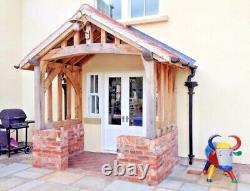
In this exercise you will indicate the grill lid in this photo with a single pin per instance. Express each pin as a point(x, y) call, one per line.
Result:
point(9, 114)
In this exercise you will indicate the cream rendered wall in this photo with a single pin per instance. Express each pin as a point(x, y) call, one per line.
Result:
point(215, 33)
point(10, 53)
point(103, 64)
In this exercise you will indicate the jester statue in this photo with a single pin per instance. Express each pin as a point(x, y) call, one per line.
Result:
point(219, 155)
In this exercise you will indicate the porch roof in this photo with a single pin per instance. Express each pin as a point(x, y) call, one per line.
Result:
point(146, 44)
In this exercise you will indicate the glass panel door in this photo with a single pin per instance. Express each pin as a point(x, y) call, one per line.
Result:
point(114, 101)
point(136, 101)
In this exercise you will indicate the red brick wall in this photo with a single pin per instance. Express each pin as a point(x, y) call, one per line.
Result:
point(160, 153)
point(52, 147)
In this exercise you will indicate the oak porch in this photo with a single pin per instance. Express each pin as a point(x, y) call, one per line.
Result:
point(66, 61)
point(61, 57)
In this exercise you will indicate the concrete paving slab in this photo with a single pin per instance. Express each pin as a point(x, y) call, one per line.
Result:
point(13, 168)
point(179, 168)
point(28, 185)
point(92, 183)
point(219, 180)
point(244, 178)
point(63, 177)
point(218, 189)
point(163, 189)
point(33, 173)
point(193, 187)
point(2, 165)
point(51, 186)
point(8, 183)
point(183, 176)
point(120, 185)
point(243, 187)
point(171, 184)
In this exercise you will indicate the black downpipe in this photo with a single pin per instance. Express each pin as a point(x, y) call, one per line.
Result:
point(191, 85)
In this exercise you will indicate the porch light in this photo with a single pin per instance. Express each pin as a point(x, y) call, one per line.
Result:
point(77, 21)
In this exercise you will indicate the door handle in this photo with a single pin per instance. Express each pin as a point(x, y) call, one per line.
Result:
point(123, 119)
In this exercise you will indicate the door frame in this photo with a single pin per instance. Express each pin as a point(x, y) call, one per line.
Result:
point(105, 94)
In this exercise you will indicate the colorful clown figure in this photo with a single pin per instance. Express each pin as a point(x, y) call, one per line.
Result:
point(220, 155)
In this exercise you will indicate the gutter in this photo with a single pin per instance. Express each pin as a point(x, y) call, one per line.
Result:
point(191, 85)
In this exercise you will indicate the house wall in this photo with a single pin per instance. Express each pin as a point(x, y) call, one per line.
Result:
point(215, 33)
point(10, 38)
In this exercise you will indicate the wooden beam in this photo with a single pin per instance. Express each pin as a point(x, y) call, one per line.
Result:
point(150, 100)
point(59, 100)
point(55, 65)
point(162, 95)
point(72, 79)
point(39, 96)
point(77, 97)
point(76, 60)
point(77, 38)
point(96, 48)
point(166, 97)
point(64, 44)
point(50, 104)
point(68, 115)
point(80, 94)
point(87, 58)
point(103, 36)
point(89, 34)
point(172, 95)
point(117, 41)
point(51, 77)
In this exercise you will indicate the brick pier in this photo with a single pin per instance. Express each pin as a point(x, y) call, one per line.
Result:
point(52, 147)
point(160, 153)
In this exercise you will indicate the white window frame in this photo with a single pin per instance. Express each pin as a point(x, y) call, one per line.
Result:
point(89, 94)
point(126, 11)
point(144, 11)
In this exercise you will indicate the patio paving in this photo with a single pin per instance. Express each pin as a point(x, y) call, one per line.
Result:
point(17, 174)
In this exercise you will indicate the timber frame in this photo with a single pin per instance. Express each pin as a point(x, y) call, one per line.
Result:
point(62, 54)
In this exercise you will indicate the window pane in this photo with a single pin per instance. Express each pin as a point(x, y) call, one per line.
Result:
point(93, 104)
point(137, 8)
point(152, 7)
point(104, 6)
point(97, 104)
point(96, 84)
point(116, 9)
point(115, 101)
point(91, 84)
point(135, 101)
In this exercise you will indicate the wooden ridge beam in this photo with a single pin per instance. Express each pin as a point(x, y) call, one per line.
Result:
point(96, 48)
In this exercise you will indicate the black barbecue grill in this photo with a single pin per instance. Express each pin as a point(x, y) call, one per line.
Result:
point(14, 119)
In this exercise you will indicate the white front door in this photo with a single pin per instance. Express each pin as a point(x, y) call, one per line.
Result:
point(124, 107)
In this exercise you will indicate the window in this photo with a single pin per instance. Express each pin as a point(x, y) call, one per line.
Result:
point(140, 8)
point(110, 7)
point(125, 9)
point(93, 95)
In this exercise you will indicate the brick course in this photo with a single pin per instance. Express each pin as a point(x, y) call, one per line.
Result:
point(160, 153)
point(52, 147)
